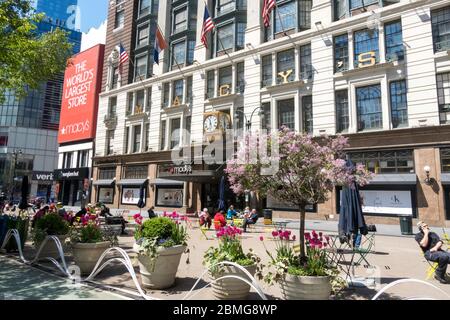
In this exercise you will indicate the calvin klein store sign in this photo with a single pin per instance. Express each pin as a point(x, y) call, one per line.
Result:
point(72, 174)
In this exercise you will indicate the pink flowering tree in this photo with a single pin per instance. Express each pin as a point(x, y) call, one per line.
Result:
point(294, 168)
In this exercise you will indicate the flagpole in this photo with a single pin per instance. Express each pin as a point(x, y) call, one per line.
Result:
point(281, 21)
point(140, 76)
point(170, 51)
point(217, 34)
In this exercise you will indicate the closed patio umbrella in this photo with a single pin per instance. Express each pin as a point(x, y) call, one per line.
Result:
point(141, 202)
point(24, 194)
point(351, 218)
point(222, 193)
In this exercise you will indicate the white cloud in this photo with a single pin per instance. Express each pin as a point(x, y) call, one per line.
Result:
point(93, 37)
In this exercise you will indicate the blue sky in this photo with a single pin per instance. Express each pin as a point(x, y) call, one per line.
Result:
point(93, 13)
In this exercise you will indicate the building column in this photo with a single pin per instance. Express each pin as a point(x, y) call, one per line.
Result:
point(185, 195)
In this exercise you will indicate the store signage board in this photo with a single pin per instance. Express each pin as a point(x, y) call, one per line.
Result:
point(82, 84)
point(42, 176)
point(176, 170)
point(390, 202)
point(71, 174)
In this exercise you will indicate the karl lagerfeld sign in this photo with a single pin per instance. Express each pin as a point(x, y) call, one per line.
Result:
point(42, 176)
point(72, 174)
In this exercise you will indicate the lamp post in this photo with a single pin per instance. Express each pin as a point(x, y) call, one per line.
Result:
point(15, 155)
point(248, 127)
point(248, 121)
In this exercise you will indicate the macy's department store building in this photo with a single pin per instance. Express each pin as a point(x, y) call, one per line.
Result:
point(385, 85)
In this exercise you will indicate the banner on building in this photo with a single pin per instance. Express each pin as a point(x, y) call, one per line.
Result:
point(82, 85)
point(392, 202)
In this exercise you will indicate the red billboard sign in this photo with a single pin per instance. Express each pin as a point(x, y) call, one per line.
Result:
point(82, 85)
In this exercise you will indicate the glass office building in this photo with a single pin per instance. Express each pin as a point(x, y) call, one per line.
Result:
point(29, 126)
point(60, 12)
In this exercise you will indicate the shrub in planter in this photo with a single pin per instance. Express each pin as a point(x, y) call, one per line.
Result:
point(51, 224)
point(311, 279)
point(230, 249)
point(160, 242)
point(19, 222)
point(89, 242)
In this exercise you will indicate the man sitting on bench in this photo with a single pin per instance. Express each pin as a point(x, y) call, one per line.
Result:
point(431, 245)
point(252, 220)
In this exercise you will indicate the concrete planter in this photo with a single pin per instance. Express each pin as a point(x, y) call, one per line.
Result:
point(86, 255)
point(231, 288)
point(161, 272)
point(306, 288)
point(50, 250)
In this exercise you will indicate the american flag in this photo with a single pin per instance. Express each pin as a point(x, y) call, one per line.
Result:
point(208, 25)
point(268, 7)
point(123, 54)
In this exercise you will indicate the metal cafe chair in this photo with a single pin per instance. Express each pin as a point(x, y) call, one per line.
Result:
point(336, 253)
point(365, 248)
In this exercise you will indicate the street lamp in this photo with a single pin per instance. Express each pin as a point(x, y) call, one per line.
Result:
point(15, 155)
point(248, 122)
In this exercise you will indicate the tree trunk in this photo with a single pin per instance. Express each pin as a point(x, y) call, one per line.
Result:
point(302, 232)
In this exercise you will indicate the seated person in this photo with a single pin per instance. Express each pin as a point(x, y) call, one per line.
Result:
point(231, 213)
point(431, 245)
point(219, 220)
point(247, 213)
point(39, 214)
point(103, 211)
point(251, 220)
point(151, 212)
point(60, 208)
point(205, 218)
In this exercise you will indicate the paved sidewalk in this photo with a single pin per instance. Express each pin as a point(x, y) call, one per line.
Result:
point(332, 226)
point(21, 282)
point(395, 257)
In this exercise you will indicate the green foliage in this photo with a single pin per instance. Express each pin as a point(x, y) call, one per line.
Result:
point(159, 232)
point(49, 225)
point(159, 228)
point(27, 58)
point(229, 249)
point(315, 264)
point(89, 233)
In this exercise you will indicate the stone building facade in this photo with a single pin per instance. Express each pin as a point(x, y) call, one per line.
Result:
point(377, 72)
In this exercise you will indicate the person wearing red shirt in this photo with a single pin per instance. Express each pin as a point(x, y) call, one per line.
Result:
point(219, 220)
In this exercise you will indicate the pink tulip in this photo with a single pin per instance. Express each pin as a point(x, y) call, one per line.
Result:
point(261, 238)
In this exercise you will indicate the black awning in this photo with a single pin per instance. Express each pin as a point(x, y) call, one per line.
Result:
point(166, 182)
point(398, 179)
point(445, 178)
point(132, 182)
point(199, 176)
point(107, 182)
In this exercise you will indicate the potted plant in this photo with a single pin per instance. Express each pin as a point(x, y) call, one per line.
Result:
point(50, 224)
point(89, 242)
point(160, 242)
point(19, 222)
point(230, 250)
point(311, 279)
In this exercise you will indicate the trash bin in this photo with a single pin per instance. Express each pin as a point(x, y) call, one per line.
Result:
point(406, 226)
point(267, 216)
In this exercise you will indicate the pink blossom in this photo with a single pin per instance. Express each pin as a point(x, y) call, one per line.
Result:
point(261, 238)
point(274, 233)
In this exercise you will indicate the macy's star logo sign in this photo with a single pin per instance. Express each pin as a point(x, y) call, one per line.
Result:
point(63, 131)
